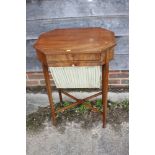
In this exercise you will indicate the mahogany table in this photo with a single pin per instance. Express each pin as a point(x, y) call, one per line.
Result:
point(76, 47)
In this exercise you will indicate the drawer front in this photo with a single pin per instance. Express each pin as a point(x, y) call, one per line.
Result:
point(73, 57)
point(62, 57)
point(94, 56)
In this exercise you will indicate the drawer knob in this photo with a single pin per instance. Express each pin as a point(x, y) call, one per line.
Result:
point(73, 65)
point(68, 50)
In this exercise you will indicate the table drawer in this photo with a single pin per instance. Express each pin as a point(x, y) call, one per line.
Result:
point(92, 56)
point(56, 57)
point(72, 57)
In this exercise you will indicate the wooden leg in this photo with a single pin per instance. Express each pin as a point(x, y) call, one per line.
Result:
point(49, 92)
point(105, 72)
point(60, 96)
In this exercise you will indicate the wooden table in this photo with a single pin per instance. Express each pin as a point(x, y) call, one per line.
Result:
point(76, 47)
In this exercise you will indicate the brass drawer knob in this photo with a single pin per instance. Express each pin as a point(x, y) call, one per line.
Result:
point(68, 50)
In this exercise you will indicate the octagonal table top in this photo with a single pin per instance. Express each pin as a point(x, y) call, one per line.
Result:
point(75, 40)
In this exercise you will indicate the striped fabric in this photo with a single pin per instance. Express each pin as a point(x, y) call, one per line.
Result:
point(76, 77)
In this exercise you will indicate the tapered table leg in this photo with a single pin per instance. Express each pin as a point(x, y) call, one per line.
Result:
point(49, 91)
point(105, 72)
